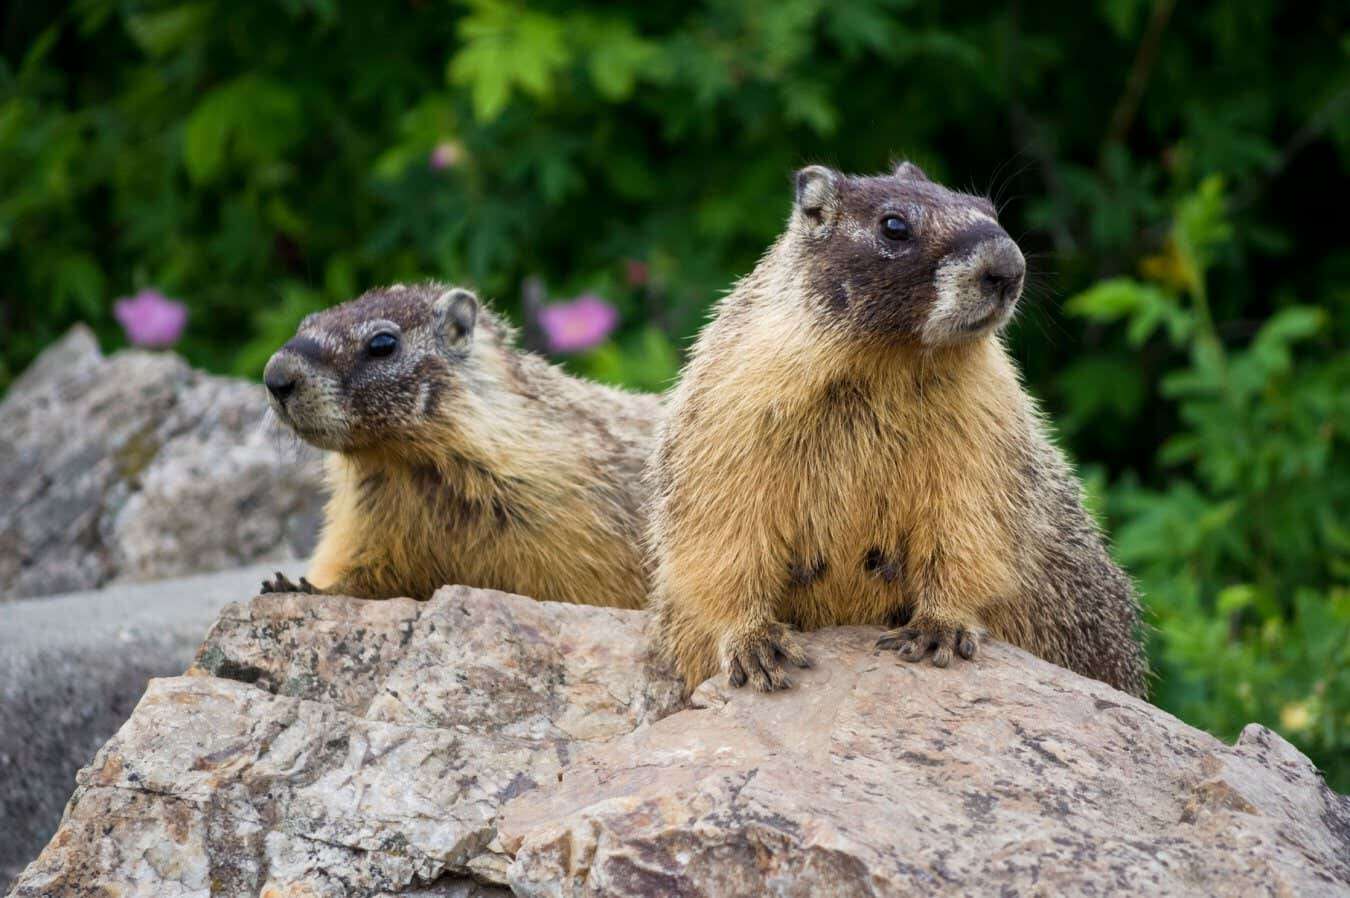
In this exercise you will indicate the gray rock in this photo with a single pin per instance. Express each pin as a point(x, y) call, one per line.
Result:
point(71, 670)
point(137, 467)
point(482, 742)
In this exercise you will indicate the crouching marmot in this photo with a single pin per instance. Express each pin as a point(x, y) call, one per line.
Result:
point(457, 458)
point(850, 444)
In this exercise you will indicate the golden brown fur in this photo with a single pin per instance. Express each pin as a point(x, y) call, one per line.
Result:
point(814, 473)
point(517, 477)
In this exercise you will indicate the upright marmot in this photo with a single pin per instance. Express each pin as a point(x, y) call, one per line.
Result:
point(457, 458)
point(850, 444)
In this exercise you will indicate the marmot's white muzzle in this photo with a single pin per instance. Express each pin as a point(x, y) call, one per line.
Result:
point(977, 290)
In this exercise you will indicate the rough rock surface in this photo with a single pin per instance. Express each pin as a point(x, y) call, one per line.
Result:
point(135, 466)
point(486, 745)
point(72, 668)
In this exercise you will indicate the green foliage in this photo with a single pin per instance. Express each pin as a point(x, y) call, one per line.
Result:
point(645, 361)
point(1240, 551)
point(1179, 177)
point(250, 121)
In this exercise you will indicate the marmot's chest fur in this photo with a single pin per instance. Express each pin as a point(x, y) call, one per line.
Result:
point(875, 472)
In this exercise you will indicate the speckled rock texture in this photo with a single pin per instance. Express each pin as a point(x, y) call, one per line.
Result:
point(488, 745)
point(72, 668)
point(135, 467)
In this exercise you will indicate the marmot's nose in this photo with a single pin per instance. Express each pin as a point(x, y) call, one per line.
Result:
point(279, 377)
point(1003, 270)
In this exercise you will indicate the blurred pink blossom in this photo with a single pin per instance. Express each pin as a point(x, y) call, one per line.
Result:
point(447, 154)
point(637, 272)
point(580, 324)
point(151, 319)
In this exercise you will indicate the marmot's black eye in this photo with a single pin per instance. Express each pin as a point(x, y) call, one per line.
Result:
point(893, 227)
point(382, 344)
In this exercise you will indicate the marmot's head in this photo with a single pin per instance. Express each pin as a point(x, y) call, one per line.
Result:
point(901, 257)
point(376, 369)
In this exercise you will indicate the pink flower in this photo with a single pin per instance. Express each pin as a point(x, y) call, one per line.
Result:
point(447, 154)
point(637, 272)
point(580, 324)
point(151, 319)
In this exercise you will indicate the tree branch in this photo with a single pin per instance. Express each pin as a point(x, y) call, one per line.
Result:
point(1122, 117)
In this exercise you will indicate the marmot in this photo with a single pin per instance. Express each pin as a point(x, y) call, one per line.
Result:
point(849, 443)
point(457, 458)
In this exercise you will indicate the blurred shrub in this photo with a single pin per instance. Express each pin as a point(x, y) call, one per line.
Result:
point(1242, 550)
point(1178, 168)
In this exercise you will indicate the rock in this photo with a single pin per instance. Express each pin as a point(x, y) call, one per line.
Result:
point(72, 668)
point(873, 777)
point(327, 747)
point(136, 467)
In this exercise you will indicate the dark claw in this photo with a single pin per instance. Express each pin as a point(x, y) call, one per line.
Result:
point(913, 642)
point(758, 660)
point(736, 673)
point(968, 645)
point(282, 583)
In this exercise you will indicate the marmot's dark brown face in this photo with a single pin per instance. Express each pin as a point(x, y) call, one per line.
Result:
point(899, 256)
point(374, 369)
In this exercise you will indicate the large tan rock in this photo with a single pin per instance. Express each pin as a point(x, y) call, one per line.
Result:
point(329, 746)
point(873, 777)
point(485, 745)
point(135, 467)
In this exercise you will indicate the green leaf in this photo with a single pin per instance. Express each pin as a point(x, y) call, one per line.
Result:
point(421, 128)
point(165, 31)
point(78, 283)
point(865, 26)
point(39, 51)
point(1144, 306)
point(1123, 15)
point(618, 58)
point(253, 117)
point(1235, 598)
point(1201, 227)
point(204, 139)
point(1114, 299)
point(1289, 326)
point(505, 48)
point(809, 104)
point(1101, 386)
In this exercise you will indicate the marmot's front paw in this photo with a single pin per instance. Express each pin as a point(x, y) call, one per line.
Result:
point(282, 583)
point(914, 641)
point(758, 656)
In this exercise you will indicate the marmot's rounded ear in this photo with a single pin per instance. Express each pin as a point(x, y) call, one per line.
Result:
point(817, 192)
point(908, 171)
point(456, 312)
